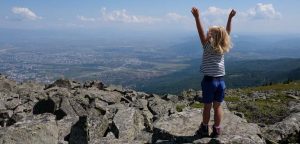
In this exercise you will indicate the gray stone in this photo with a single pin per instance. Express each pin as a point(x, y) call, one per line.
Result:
point(129, 123)
point(2, 106)
point(34, 130)
point(241, 115)
point(97, 127)
point(205, 141)
point(64, 83)
point(180, 126)
point(64, 128)
point(94, 84)
point(238, 130)
point(172, 98)
point(79, 110)
point(101, 105)
point(160, 107)
point(12, 101)
point(118, 88)
point(280, 131)
point(109, 97)
point(144, 136)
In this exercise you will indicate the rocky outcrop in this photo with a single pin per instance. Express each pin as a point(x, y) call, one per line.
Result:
point(69, 112)
point(287, 129)
point(32, 130)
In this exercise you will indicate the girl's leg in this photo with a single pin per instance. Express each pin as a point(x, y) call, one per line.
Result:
point(218, 113)
point(206, 113)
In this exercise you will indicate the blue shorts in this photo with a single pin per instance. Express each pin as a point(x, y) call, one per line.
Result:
point(213, 89)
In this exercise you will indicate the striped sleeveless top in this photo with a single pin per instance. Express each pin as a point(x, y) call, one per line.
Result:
point(212, 62)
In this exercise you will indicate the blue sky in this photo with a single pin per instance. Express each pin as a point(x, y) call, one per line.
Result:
point(269, 16)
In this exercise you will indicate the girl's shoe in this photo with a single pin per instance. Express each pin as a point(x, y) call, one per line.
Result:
point(216, 132)
point(203, 131)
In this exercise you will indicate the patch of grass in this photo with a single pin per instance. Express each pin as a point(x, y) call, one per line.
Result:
point(232, 98)
point(263, 111)
point(180, 107)
point(276, 87)
point(197, 105)
point(267, 111)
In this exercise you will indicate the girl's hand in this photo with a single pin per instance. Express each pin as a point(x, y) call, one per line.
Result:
point(195, 12)
point(232, 13)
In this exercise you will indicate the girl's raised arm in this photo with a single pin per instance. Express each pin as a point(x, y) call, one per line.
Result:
point(200, 29)
point(228, 26)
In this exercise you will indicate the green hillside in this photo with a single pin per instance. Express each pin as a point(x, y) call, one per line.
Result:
point(239, 74)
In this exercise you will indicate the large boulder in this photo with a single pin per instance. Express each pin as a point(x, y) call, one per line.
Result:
point(238, 130)
point(129, 123)
point(179, 127)
point(285, 130)
point(64, 128)
point(34, 130)
point(159, 107)
point(97, 127)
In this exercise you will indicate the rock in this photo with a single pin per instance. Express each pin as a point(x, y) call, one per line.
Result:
point(179, 127)
point(143, 95)
point(148, 120)
point(238, 130)
point(12, 101)
point(241, 115)
point(191, 95)
point(109, 97)
point(16, 117)
point(172, 98)
point(145, 137)
point(117, 88)
point(2, 106)
point(31, 92)
point(293, 97)
point(64, 83)
point(79, 110)
point(65, 108)
point(111, 110)
point(101, 105)
point(129, 123)
point(97, 126)
point(94, 84)
point(205, 141)
point(64, 128)
point(4, 117)
point(7, 85)
point(281, 131)
point(160, 107)
point(33, 130)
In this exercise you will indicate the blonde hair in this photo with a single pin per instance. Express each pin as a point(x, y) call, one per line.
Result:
point(220, 39)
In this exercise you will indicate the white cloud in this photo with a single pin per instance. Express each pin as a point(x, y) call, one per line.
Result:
point(86, 19)
point(215, 16)
point(218, 16)
point(25, 13)
point(175, 17)
point(263, 11)
point(124, 17)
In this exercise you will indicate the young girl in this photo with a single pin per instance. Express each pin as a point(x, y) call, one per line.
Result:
point(215, 44)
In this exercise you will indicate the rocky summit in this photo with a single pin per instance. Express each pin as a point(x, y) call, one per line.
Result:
point(70, 112)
